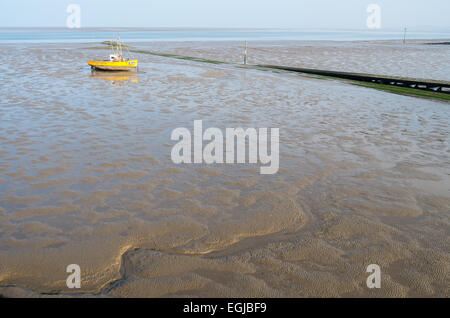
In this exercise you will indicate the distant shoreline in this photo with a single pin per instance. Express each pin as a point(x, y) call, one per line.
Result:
point(432, 42)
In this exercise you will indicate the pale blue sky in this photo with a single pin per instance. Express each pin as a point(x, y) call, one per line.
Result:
point(337, 14)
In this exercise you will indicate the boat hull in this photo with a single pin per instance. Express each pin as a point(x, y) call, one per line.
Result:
point(114, 66)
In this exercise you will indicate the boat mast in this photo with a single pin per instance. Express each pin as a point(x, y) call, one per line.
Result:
point(119, 45)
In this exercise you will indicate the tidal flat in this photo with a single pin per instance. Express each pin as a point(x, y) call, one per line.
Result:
point(86, 176)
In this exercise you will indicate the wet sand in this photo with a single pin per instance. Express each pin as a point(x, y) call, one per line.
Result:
point(86, 176)
point(416, 59)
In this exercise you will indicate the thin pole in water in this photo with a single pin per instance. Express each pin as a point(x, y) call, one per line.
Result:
point(404, 37)
point(245, 53)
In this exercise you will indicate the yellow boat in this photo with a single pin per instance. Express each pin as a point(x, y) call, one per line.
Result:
point(116, 60)
point(113, 65)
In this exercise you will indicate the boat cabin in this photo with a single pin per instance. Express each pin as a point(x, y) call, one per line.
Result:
point(115, 58)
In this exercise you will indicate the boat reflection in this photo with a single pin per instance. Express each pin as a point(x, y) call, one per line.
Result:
point(116, 78)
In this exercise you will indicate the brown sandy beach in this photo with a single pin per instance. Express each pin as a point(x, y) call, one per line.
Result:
point(86, 176)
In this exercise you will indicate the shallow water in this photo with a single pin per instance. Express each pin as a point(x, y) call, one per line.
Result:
point(65, 35)
point(86, 178)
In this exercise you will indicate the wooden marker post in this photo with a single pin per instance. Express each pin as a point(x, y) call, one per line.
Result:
point(245, 53)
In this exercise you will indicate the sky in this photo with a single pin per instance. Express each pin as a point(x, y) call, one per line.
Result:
point(313, 14)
